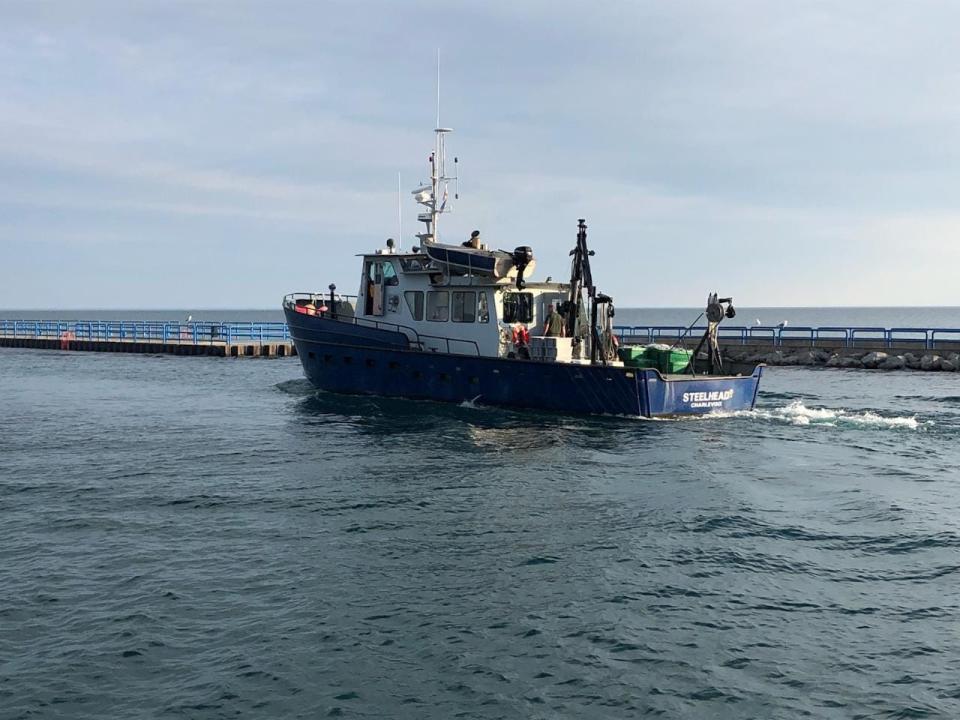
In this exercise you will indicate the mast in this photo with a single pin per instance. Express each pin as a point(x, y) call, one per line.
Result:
point(577, 306)
point(434, 196)
point(581, 279)
point(399, 213)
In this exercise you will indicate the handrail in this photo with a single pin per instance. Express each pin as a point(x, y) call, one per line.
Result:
point(290, 299)
point(808, 332)
point(476, 348)
point(831, 329)
point(183, 333)
point(848, 336)
point(207, 333)
point(935, 331)
point(377, 325)
point(871, 330)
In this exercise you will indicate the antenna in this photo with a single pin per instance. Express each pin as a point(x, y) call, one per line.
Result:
point(433, 196)
point(399, 214)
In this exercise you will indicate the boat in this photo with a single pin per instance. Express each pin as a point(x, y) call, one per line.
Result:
point(464, 322)
point(480, 261)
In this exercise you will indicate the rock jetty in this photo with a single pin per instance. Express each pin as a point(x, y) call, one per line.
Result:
point(848, 358)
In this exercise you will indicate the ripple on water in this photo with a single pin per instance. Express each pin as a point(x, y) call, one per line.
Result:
point(209, 539)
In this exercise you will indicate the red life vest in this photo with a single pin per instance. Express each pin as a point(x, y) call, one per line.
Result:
point(521, 336)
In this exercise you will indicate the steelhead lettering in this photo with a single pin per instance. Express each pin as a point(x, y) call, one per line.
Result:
point(712, 396)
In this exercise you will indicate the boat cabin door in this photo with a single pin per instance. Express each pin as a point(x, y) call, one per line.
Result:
point(378, 275)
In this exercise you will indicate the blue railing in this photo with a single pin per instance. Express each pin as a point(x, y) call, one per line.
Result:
point(776, 335)
point(205, 333)
point(195, 333)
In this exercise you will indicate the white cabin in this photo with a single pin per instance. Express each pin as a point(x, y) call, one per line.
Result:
point(463, 314)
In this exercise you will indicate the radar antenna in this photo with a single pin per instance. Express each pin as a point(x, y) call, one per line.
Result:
point(435, 196)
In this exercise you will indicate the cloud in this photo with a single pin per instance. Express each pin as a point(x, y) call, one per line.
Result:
point(767, 148)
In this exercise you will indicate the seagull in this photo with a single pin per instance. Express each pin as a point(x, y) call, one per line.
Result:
point(783, 324)
point(758, 321)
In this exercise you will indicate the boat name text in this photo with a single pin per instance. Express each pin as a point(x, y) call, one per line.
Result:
point(714, 398)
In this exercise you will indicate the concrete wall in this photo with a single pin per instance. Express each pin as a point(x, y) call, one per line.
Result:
point(279, 349)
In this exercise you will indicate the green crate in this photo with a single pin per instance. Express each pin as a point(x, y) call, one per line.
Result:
point(636, 357)
point(678, 362)
point(632, 353)
point(669, 360)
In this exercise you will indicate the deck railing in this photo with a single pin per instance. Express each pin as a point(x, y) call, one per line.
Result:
point(929, 338)
point(196, 333)
point(414, 337)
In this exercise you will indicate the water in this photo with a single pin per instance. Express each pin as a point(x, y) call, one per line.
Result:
point(922, 317)
point(206, 538)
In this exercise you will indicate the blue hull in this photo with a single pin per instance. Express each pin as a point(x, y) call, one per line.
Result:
point(346, 358)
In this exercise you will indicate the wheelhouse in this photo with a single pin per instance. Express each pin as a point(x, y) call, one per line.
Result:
point(413, 291)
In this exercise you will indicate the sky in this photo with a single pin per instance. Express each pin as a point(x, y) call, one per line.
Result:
point(220, 154)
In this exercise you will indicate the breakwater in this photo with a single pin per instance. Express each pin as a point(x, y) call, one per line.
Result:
point(871, 348)
point(929, 349)
point(847, 358)
point(217, 339)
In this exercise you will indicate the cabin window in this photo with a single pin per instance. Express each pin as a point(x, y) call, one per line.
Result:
point(414, 300)
point(389, 274)
point(438, 306)
point(464, 307)
point(483, 312)
point(518, 307)
point(414, 264)
point(382, 271)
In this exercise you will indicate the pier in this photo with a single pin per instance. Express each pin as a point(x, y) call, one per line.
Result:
point(826, 338)
point(843, 347)
point(776, 345)
point(216, 339)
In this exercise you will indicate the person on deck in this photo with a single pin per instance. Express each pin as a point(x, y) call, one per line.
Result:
point(521, 341)
point(553, 327)
point(474, 241)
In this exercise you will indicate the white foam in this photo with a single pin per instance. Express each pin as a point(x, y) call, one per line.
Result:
point(472, 404)
point(796, 413)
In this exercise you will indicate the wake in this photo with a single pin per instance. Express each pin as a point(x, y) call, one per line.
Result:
point(796, 413)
